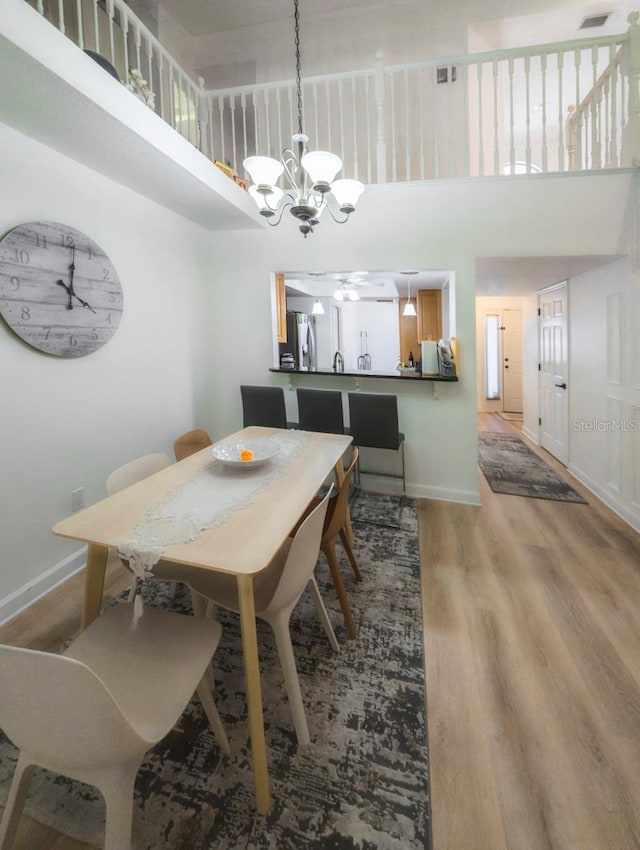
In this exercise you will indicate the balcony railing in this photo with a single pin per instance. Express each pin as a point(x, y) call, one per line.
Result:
point(568, 106)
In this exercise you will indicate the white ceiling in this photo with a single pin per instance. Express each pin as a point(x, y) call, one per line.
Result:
point(514, 276)
point(510, 23)
point(201, 17)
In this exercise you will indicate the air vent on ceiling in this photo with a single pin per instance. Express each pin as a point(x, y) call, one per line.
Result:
point(594, 21)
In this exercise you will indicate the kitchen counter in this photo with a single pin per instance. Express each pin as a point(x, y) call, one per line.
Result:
point(366, 373)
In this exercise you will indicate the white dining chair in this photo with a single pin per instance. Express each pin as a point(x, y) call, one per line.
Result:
point(93, 712)
point(130, 473)
point(277, 590)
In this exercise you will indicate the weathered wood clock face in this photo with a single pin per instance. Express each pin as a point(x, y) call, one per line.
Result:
point(59, 291)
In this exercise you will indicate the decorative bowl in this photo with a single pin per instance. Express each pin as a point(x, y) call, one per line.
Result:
point(230, 453)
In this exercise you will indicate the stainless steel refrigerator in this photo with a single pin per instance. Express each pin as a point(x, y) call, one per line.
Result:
point(301, 341)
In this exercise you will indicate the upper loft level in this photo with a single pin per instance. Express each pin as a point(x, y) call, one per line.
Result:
point(558, 107)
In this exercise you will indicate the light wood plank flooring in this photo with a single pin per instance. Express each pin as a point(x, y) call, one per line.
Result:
point(533, 672)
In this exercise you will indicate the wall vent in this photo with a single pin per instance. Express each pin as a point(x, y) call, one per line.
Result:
point(594, 21)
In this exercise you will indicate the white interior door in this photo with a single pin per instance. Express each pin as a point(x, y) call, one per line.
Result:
point(512, 360)
point(554, 406)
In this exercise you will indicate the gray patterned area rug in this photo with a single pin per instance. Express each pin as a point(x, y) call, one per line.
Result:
point(383, 509)
point(511, 467)
point(363, 782)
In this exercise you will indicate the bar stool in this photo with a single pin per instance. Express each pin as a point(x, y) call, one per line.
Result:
point(320, 410)
point(374, 425)
point(264, 406)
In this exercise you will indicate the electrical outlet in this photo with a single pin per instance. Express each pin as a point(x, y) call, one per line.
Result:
point(77, 499)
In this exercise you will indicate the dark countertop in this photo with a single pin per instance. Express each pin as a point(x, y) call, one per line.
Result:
point(366, 373)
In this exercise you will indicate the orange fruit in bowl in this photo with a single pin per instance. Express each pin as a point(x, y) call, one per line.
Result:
point(246, 454)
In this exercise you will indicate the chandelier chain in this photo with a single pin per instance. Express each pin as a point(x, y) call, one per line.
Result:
point(298, 64)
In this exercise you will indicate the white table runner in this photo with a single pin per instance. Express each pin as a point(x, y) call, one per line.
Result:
point(204, 501)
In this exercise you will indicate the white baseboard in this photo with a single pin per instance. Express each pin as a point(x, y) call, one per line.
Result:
point(626, 513)
point(18, 601)
point(393, 486)
point(530, 435)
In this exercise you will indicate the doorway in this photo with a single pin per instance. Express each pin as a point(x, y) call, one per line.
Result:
point(511, 360)
point(554, 367)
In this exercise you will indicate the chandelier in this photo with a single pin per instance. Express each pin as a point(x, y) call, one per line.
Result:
point(309, 175)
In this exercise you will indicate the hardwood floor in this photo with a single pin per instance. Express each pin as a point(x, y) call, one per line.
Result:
point(532, 656)
point(533, 672)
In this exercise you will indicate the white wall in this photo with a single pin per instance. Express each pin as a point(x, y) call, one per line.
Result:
point(67, 423)
point(604, 385)
point(418, 225)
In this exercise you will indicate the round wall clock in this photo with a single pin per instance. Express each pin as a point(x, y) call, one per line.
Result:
point(59, 291)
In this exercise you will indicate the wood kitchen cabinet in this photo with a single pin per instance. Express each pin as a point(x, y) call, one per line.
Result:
point(409, 342)
point(429, 314)
point(281, 308)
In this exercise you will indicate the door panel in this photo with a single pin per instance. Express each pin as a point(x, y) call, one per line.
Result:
point(512, 360)
point(553, 335)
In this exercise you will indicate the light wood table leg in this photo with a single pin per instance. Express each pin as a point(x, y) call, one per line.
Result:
point(254, 693)
point(93, 583)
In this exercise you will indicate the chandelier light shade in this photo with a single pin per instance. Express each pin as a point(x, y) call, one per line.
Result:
point(309, 176)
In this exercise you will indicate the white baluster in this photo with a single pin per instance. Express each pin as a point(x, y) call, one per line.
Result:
point(613, 142)
point(341, 114)
point(316, 128)
point(452, 140)
point(571, 137)
point(243, 105)
point(326, 94)
point(61, 26)
point(96, 28)
point(221, 116)
point(172, 100)
point(232, 99)
point(512, 147)
point(527, 75)
point(577, 60)
point(596, 153)
point(161, 86)
point(112, 49)
point(381, 150)
point(407, 148)
point(354, 113)
point(394, 164)
point(434, 123)
point(124, 25)
point(466, 167)
point(631, 147)
point(421, 132)
point(80, 24)
point(40, 7)
point(496, 126)
point(269, 152)
point(255, 122)
point(279, 115)
point(137, 41)
point(479, 68)
point(560, 113)
point(292, 127)
point(606, 114)
point(543, 72)
point(367, 100)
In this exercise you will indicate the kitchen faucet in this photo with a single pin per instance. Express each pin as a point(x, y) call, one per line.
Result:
point(338, 362)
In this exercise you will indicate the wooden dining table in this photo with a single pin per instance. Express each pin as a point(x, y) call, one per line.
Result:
point(242, 545)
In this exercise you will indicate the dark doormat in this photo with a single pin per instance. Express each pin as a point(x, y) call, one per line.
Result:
point(511, 467)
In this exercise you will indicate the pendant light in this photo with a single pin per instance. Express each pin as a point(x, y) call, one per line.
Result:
point(409, 309)
point(318, 309)
point(310, 175)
